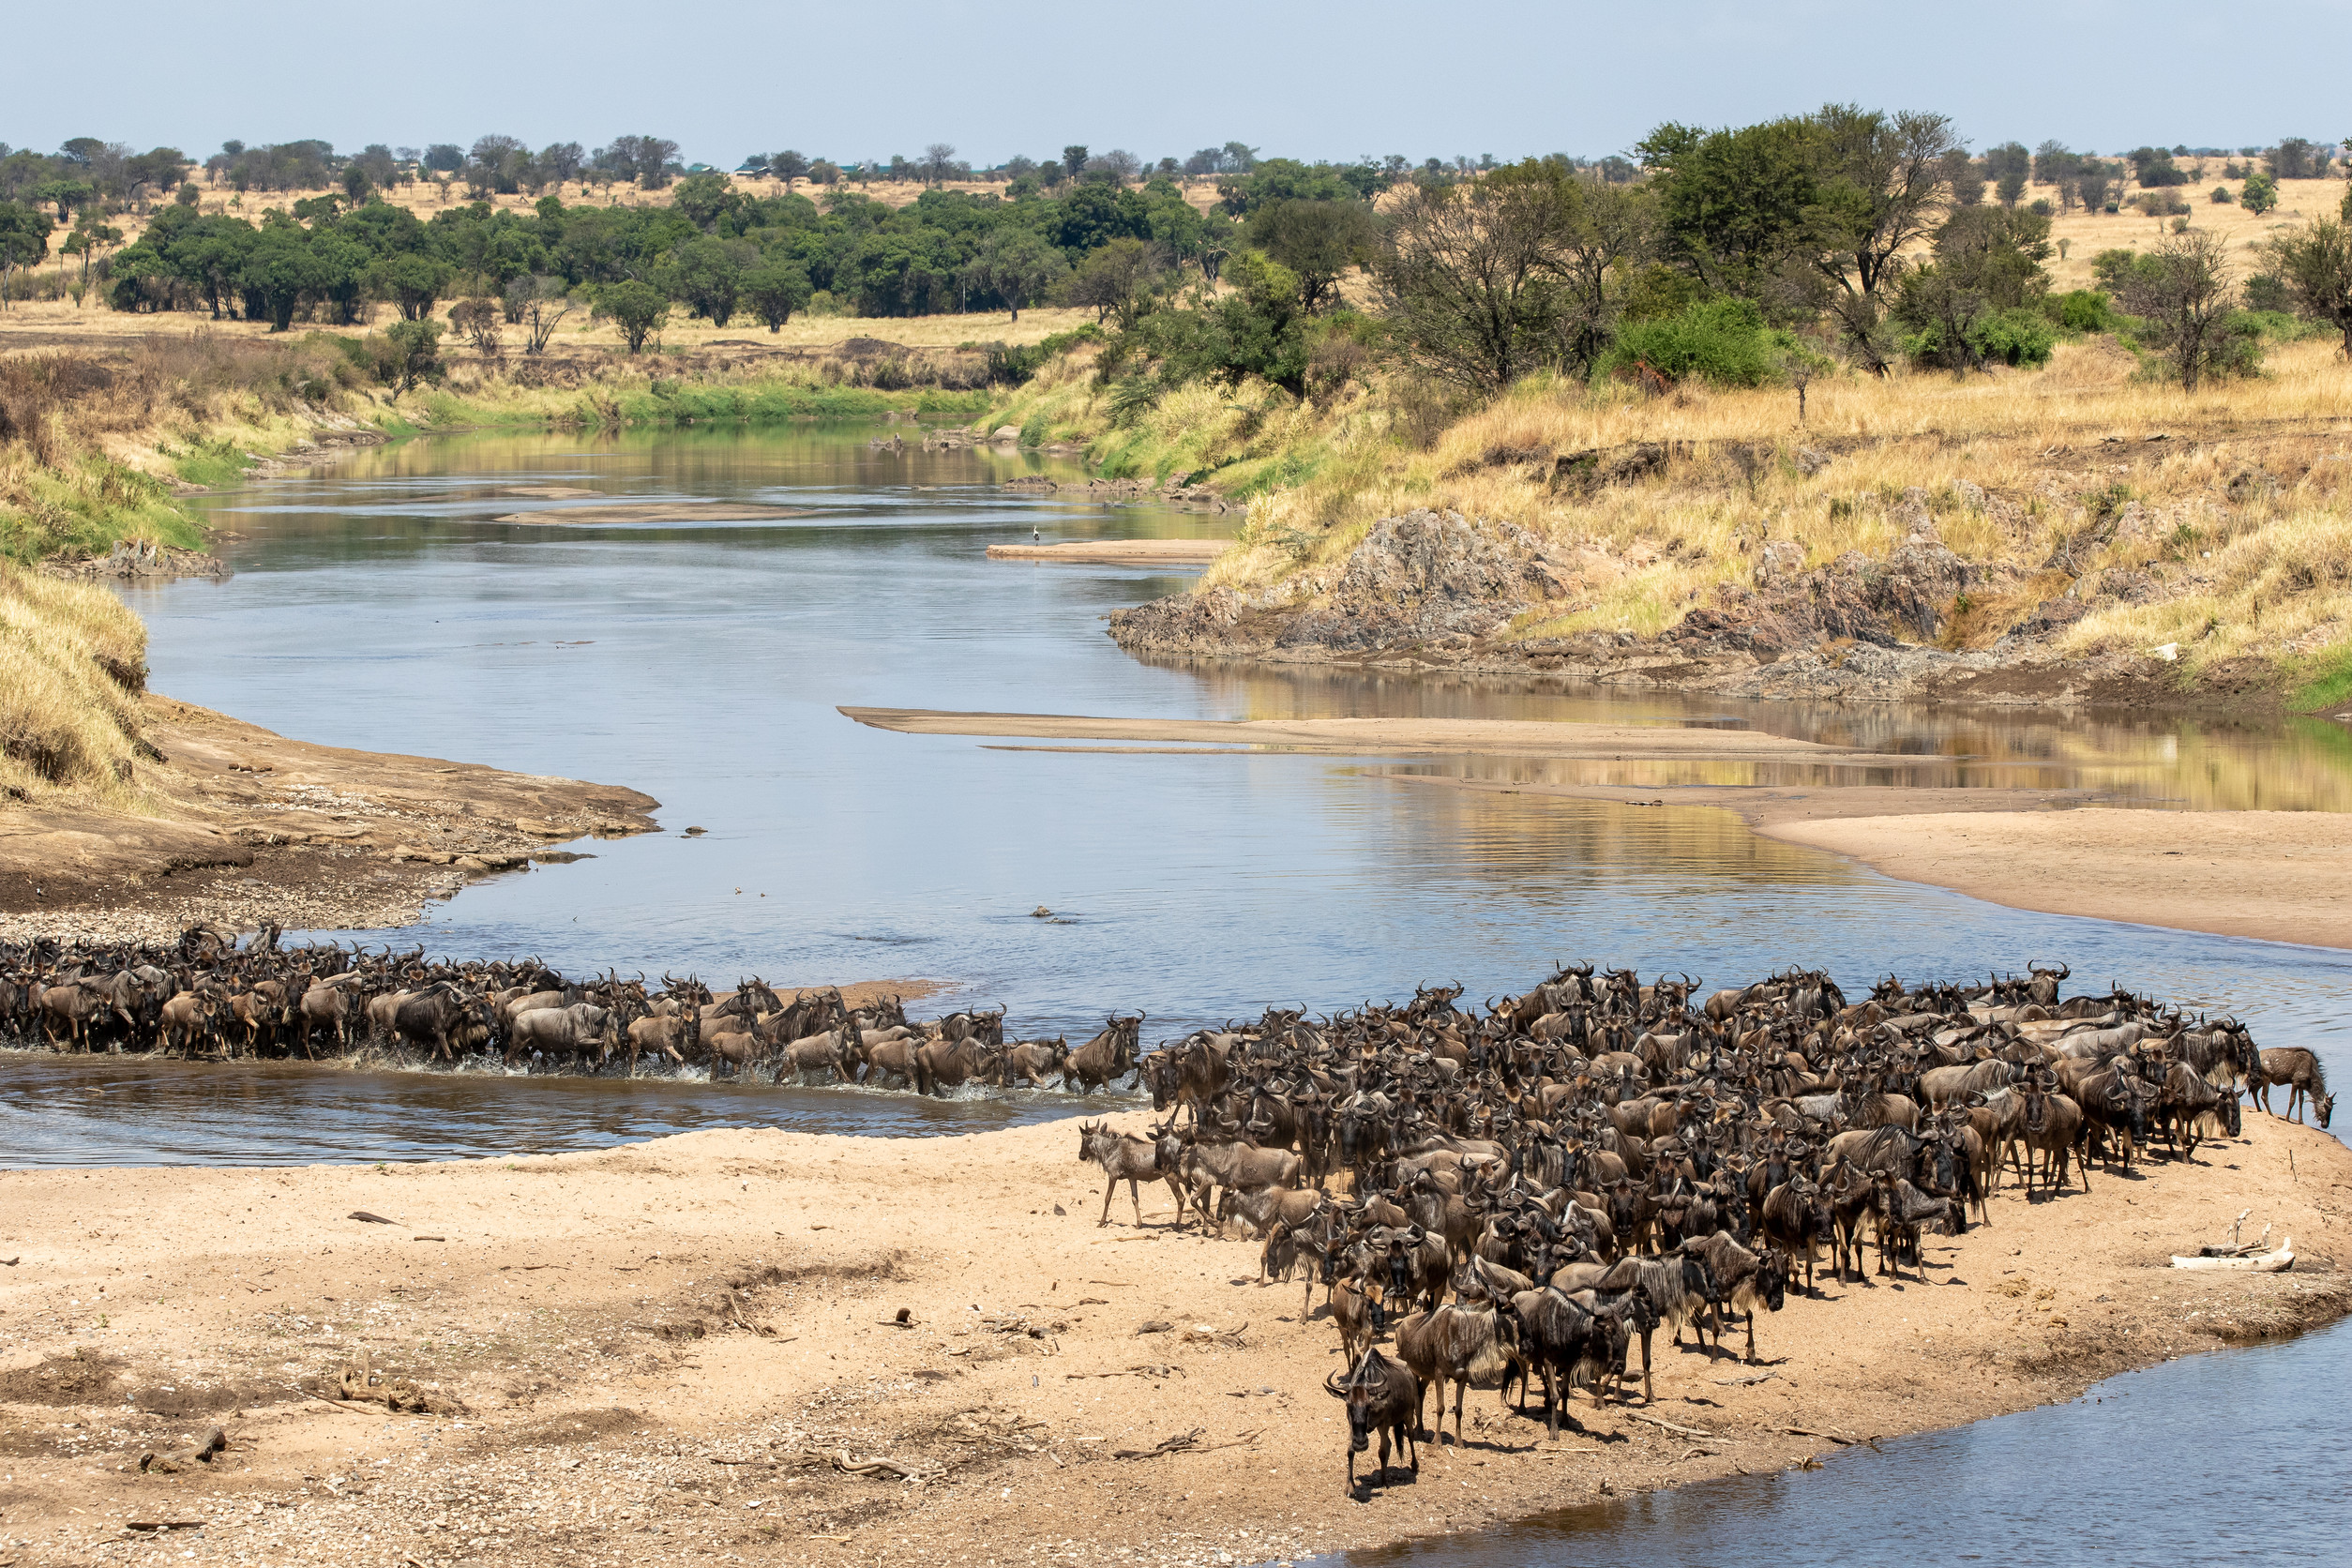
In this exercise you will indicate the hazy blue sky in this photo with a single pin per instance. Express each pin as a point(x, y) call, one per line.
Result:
point(724, 78)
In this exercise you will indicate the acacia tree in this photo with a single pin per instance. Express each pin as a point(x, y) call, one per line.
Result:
point(2183, 288)
point(938, 161)
point(1016, 265)
point(2316, 263)
point(774, 289)
point(788, 166)
point(1883, 188)
point(1115, 281)
point(1484, 281)
point(637, 309)
point(1318, 240)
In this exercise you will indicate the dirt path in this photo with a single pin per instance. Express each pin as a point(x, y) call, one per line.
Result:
point(836, 1349)
point(259, 827)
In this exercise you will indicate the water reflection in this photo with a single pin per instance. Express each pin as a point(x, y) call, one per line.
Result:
point(2065, 1483)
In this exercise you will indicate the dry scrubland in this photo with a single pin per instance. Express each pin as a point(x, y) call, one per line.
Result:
point(2215, 521)
point(783, 1348)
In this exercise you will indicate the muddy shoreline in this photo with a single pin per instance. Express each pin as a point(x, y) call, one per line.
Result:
point(698, 1344)
point(249, 826)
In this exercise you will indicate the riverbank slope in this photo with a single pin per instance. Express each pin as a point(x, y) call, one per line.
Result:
point(226, 823)
point(800, 1348)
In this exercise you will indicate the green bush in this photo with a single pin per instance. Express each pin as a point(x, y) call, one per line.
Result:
point(2083, 310)
point(2268, 294)
point(2016, 337)
point(1722, 341)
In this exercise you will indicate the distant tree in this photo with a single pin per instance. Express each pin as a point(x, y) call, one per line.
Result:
point(1484, 281)
point(2182, 289)
point(356, 186)
point(412, 281)
point(1016, 265)
point(1074, 160)
point(413, 355)
point(1960, 178)
point(788, 166)
point(23, 241)
point(1238, 158)
point(1114, 280)
point(1319, 241)
point(1017, 166)
point(2053, 163)
point(939, 161)
point(2315, 263)
point(1122, 166)
point(2293, 158)
point(1880, 189)
point(775, 290)
point(823, 172)
point(2092, 187)
point(563, 161)
point(442, 157)
point(707, 274)
point(538, 304)
point(2259, 194)
point(899, 170)
point(479, 321)
point(188, 195)
point(636, 308)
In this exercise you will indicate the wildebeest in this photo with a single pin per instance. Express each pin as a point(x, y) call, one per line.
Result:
point(2298, 1069)
point(1468, 1345)
point(435, 1014)
point(1676, 1287)
point(1107, 1057)
point(1744, 1281)
point(1381, 1396)
point(1126, 1157)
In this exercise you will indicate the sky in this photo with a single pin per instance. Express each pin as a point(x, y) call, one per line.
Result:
point(725, 78)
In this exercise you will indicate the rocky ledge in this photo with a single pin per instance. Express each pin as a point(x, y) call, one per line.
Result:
point(1434, 589)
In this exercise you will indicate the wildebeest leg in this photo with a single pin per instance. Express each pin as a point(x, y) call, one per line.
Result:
point(1461, 1393)
point(1137, 1201)
point(1750, 1336)
point(1109, 1188)
point(1648, 1391)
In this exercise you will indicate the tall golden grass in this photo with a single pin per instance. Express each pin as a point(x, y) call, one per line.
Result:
point(2232, 526)
point(72, 663)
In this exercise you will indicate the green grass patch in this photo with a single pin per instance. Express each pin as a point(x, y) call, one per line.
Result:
point(2324, 680)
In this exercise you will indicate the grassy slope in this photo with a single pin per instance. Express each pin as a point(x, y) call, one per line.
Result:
point(2262, 574)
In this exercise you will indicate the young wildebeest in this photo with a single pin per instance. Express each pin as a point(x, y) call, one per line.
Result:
point(1380, 1396)
point(2298, 1069)
point(1126, 1157)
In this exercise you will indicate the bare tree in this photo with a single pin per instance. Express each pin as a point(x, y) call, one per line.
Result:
point(938, 161)
point(2183, 287)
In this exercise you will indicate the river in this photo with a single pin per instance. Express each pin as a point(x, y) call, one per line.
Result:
point(382, 603)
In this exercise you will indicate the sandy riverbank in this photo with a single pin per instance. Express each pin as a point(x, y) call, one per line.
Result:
point(1193, 553)
point(259, 827)
point(2282, 876)
point(672, 1349)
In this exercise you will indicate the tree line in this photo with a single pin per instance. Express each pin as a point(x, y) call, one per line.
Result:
point(1735, 254)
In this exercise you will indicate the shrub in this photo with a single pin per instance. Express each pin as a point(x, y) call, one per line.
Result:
point(1723, 341)
point(2014, 337)
point(2084, 311)
point(2267, 293)
point(2222, 197)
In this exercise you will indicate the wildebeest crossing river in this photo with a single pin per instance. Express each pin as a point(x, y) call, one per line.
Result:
point(380, 605)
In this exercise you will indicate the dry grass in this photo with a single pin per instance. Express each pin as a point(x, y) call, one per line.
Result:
point(41, 326)
point(72, 661)
point(2229, 537)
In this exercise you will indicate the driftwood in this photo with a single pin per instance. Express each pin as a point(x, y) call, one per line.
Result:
point(359, 1382)
point(1185, 1442)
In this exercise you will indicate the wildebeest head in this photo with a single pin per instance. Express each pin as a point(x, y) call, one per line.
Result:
point(1772, 1277)
point(1366, 1378)
point(2323, 1109)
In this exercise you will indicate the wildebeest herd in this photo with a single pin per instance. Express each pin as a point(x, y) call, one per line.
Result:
point(210, 998)
point(1601, 1158)
point(1576, 1168)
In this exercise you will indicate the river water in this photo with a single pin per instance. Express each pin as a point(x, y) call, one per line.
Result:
point(383, 604)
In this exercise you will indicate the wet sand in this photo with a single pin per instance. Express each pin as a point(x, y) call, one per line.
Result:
point(838, 1350)
point(2282, 876)
point(256, 827)
point(1186, 552)
point(1365, 736)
